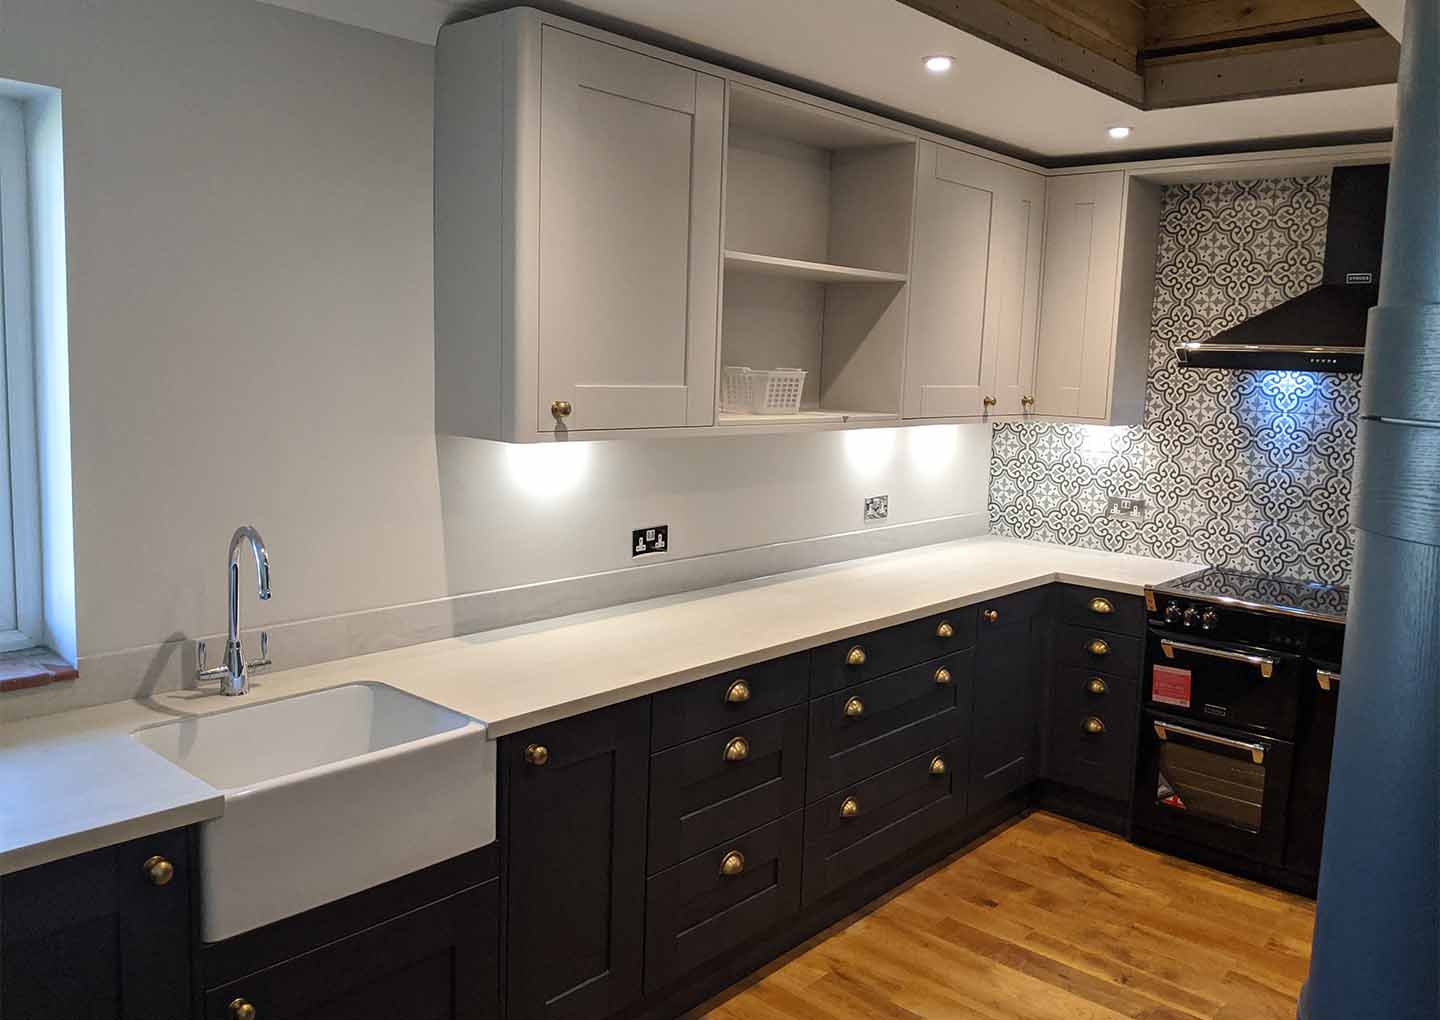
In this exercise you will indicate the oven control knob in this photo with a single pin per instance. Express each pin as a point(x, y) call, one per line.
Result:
point(1191, 617)
point(1172, 612)
point(1209, 619)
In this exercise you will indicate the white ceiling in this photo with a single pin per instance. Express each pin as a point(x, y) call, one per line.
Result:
point(873, 49)
point(1390, 13)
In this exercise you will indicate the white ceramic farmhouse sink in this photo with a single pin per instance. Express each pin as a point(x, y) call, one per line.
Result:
point(327, 794)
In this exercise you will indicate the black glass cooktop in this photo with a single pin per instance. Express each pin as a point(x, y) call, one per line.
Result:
point(1283, 595)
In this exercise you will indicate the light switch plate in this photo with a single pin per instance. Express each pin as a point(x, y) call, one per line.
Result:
point(877, 508)
point(1125, 507)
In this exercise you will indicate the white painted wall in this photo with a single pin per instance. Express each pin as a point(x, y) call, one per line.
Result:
point(248, 198)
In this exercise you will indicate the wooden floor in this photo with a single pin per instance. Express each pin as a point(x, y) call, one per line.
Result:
point(1048, 919)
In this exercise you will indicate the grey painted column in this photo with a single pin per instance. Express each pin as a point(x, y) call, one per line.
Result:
point(1376, 951)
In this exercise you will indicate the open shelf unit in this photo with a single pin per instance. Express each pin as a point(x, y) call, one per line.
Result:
point(818, 210)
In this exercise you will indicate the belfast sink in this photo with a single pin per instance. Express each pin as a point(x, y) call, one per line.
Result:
point(328, 794)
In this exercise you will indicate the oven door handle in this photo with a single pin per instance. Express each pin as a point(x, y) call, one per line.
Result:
point(1257, 751)
point(1264, 663)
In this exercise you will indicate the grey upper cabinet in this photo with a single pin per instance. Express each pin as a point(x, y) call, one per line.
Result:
point(1101, 231)
point(578, 191)
point(974, 288)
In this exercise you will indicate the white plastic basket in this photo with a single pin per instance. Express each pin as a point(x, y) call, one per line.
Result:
point(761, 391)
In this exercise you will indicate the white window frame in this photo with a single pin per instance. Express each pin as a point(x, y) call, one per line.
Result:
point(22, 623)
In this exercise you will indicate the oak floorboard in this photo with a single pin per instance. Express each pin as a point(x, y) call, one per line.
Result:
point(1047, 919)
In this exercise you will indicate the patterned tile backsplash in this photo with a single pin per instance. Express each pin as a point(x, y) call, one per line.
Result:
point(1246, 469)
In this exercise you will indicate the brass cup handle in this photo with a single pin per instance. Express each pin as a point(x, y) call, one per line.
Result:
point(737, 693)
point(537, 754)
point(1096, 686)
point(737, 749)
point(849, 807)
point(854, 708)
point(1098, 647)
point(1027, 401)
point(732, 864)
point(855, 656)
point(561, 408)
point(1094, 725)
point(989, 401)
point(942, 675)
point(990, 615)
point(937, 766)
point(1102, 606)
point(945, 631)
point(158, 870)
point(242, 1010)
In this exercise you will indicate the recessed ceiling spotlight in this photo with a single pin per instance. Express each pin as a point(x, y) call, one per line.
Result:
point(1119, 132)
point(939, 63)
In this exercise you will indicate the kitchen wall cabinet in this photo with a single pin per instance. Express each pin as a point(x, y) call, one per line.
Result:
point(578, 191)
point(573, 807)
point(102, 936)
point(1101, 231)
point(1009, 658)
point(974, 287)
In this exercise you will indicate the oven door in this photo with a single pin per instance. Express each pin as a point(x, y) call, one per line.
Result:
point(1218, 788)
point(1226, 684)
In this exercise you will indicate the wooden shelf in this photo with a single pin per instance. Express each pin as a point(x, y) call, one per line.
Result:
point(821, 272)
point(813, 416)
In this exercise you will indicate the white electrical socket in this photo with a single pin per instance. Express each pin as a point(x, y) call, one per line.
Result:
point(877, 508)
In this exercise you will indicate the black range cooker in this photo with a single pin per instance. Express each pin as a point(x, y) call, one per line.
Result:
point(1242, 673)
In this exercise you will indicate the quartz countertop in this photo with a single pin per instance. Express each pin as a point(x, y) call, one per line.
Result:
point(76, 781)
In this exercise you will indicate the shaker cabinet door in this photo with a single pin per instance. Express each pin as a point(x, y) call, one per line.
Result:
point(631, 149)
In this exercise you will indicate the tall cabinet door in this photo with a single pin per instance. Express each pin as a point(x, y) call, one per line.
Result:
point(1078, 300)
point(631, 151)
point(573, 831)
point(974, 286)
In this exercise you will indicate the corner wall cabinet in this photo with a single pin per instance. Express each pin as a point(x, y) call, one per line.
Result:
point(615, 224)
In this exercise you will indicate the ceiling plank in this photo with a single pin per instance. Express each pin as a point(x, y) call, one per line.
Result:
point(1180, 23)
point(1314, 64)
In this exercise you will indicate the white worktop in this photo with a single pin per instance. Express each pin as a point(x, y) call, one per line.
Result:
point(76, 781)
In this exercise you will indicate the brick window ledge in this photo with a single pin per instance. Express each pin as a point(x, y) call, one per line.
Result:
point(33, 667)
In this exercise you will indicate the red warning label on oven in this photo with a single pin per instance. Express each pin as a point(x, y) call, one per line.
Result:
point(1170, 686)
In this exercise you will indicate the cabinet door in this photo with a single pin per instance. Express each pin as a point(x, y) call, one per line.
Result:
point(434, 963)
point(94, 937)
point(1079, 294)
point(1008, 664)
point(631, 149)
point(974, 286)
point(574, 842)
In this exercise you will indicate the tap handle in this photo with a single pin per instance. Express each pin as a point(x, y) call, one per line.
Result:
point(199, 656)
point(264, 659)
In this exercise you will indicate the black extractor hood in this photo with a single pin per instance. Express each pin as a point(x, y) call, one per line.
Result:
point(1322, 330)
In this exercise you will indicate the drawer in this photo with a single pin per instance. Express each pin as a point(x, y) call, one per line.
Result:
point(705, 706)
point(1092, 648)
point(858, 659)
point(717, 787)
point(703, 907)
point(868, 825)
point(1101, 762)
point(1092, 607)
point(1010, 609)
point(868, 727)
point(1081, 692)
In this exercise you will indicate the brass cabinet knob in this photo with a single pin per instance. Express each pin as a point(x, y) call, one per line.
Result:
point(158, 870)
point(242, 1010)
point(1102, 606)
point(937, 766)
point(855, 656)
point(1027, 401)
point(849, 807)
point(737, 749)
point(854, 708)
point(942, 675)
point(990, 615)
point(737, 693)
point(1098, 647)
point(945, 631)
point(561, 408)
point(732, 864)
point(1096, 686)
point(989, 401)
point(1094, 725)
point(537, 754)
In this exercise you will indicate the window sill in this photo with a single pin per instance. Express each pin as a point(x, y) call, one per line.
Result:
point(33, 667)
